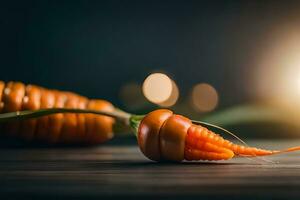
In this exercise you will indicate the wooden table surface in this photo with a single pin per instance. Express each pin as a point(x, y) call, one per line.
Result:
point(113, 171)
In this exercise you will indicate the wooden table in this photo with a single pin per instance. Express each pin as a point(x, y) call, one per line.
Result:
point(122, 171)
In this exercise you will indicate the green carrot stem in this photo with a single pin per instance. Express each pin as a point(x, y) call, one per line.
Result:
point(28, 114)
point(135, 121)
point(127, 119)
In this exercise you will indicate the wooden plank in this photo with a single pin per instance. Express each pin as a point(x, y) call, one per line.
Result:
point(122, 171)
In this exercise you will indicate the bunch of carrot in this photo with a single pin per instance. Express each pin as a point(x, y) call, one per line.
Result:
point(58, 117)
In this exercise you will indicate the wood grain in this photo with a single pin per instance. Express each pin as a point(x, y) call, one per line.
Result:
point(122, 171)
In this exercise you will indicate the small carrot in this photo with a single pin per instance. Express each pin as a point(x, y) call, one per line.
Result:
point(163, 135)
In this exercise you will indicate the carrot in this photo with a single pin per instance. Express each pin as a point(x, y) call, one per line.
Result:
point(63, 128)
point(68, 118)
point(163, 135)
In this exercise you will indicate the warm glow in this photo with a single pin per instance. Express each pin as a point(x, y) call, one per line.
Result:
point(277, 74)
point(172, 98)
point(204, 97)
point(157, 88)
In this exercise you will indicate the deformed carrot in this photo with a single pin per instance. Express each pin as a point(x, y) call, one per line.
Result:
point(163, 135)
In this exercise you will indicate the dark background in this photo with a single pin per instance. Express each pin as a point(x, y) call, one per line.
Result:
point(95, 47)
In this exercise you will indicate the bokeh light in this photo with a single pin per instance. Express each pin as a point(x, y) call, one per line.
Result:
point(204, 97)
point(172, 98)
point(132, 96)
point(157, 88)
point(277, 74)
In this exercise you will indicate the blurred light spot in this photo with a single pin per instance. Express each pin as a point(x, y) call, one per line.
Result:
point(132, 96)
point(277, 74)
point(204, 97)
point(172, 98)
point(157, 88)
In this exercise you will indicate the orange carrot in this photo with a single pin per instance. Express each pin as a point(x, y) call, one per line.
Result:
point(163, 135)
point(73, 119)
point(64, 128)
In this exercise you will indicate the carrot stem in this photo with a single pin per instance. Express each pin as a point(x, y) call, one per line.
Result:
point(127, 119)
point(28, 114)
point(135, 121)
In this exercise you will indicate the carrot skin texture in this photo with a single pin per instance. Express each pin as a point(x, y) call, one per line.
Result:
point(56, 121)
point(99, 123)
point(62, 128)
point(149, 133)
point(179, 140)
point(47, 101)
point(12, 98)
point(31, 101)
point(199, 133)
point(172, 137)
